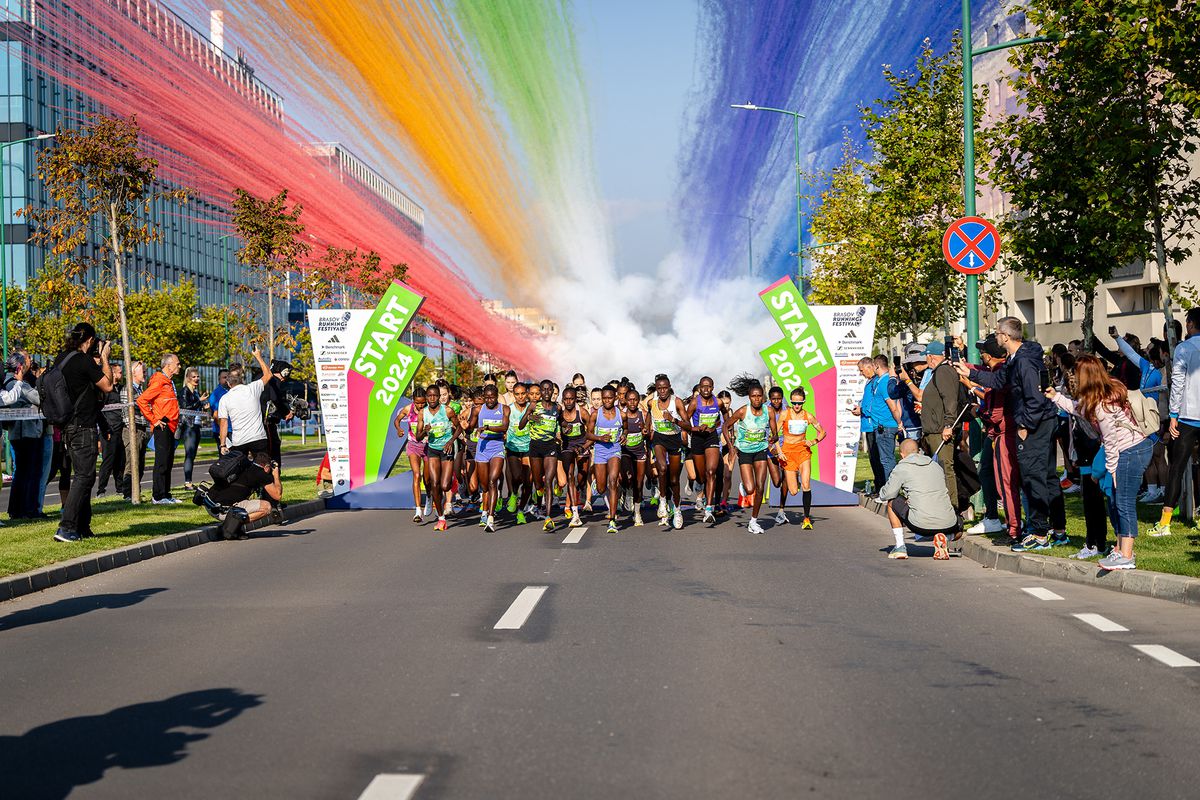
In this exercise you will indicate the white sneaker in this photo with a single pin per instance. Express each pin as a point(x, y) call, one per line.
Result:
point(417, 518)
point(781, 518)
point(677, 522)
point(491, 524)
point(428, 512)
point(753, 526)
point(1072, 489)
point(1086, 553)
point(637, 517)
point(576, 521)
point(987, 525)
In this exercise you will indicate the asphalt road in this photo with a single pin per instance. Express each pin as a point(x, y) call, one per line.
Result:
point(705, 663)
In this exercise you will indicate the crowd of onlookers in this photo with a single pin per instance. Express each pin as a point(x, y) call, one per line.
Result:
point(66, 415)
point(1121, 421)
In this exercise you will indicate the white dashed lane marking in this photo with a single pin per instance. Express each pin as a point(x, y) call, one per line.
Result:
point(575, 536)
point(392, 787)
point(521, 608)
point(1100, 623)
point(1166, 655)
point(1042, 594)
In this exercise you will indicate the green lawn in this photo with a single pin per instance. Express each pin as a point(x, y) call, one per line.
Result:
point(29, 544)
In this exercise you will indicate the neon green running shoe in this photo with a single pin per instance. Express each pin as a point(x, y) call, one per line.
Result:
point(520, 517)
point(512, 503)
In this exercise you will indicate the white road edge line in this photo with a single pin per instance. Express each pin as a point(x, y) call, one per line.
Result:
point(1042, 594)
point(575, 536)
point(521, 608)
point(1166, 655)
point(1100, 623)
point(392, 786)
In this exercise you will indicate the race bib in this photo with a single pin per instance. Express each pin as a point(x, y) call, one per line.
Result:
point(633, 440)
point(439, 429)
point(709, 419)
point(613, 435)
point(664, 426)
point(754, 436)
point(797, 427)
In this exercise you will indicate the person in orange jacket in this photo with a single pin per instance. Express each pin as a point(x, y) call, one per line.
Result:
point(160, 406)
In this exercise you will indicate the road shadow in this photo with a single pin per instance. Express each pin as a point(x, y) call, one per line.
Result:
point(276, 532)
point(73, 607)
point(48, 762)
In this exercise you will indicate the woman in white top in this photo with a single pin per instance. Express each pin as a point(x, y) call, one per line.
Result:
point(1104, 403)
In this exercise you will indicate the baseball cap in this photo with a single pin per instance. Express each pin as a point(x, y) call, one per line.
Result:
point(280, 368)
point(914, 353)
point(935, 349)
point(990, 346)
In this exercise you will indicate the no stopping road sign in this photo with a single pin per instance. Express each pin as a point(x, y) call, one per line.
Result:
point(971, 245)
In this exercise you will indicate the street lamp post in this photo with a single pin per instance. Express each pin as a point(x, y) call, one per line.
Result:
point(225, 274)
point(3, 230)
point(749, 237)
point(968, 82)
point(796, 117)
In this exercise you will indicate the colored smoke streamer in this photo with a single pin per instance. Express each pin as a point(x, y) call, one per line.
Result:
point(219, 140)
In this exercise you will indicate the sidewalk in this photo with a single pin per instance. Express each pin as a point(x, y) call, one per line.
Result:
point(1161, 585)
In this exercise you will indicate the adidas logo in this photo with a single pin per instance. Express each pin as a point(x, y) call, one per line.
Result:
point(851, 335)
point(333, 339)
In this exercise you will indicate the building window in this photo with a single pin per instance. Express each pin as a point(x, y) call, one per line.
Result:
point(1150, 297)
point(1049, 309)
point(1068, 314)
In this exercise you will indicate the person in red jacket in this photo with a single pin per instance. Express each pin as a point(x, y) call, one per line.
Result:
point(160, 406)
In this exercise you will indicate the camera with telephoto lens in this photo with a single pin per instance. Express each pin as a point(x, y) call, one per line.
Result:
point(298, 407)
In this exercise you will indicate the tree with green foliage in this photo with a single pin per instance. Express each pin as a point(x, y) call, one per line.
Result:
point(272, 246)
point(97, 179)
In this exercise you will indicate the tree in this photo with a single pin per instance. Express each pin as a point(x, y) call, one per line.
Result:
point(1121, 82)
point(271, 243)
point(97, 174)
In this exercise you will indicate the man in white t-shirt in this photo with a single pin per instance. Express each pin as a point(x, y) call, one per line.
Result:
point(241, 411)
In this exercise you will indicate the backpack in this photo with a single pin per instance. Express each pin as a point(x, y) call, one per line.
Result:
point(1146, 416)
point(57, 405)
point(226, 468)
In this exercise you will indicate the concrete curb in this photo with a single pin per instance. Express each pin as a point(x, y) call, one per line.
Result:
point(15, 586)
point(1160, 585)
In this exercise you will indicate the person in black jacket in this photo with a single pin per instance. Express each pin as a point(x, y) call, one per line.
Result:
point(112, 423)
point(939, 410)
point(1036, 420)
point(275, 407)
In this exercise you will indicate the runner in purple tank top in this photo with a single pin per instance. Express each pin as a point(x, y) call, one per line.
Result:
point(490, 420)
point(707, 419)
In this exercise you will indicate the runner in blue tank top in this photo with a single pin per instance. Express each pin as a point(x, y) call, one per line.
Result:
point(440, 428)
point(490, 422)
point(707, 419)
point(755, 429)
point(607, 431)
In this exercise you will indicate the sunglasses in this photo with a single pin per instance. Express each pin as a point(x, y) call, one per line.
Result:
point(797, 402)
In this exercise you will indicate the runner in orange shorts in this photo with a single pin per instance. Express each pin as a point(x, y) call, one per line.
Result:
point(795, 455)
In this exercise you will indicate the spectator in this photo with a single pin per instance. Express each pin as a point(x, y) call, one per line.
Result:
point(112, 448)
point(881, 416)
point(240, 414)
point(908, 392)
point(275, 407)
point(141, 430)
point(160, 405)
point(1035, 419)
point(25, 437)
point(1184, 409)
point(925, 507)
point(189, 426)
point(214, 400)
point(1104, 404)
point(998, 454)
point(84, 366)
point(262, 474)
point(939, 411)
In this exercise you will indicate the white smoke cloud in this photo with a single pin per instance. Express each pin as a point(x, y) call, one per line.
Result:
point(640, 325)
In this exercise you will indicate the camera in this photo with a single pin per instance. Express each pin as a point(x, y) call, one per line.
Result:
point(298, 406)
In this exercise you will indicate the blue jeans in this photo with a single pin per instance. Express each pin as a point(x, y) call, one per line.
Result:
point(191, 443)
point(1131, 466)
point(885, 449)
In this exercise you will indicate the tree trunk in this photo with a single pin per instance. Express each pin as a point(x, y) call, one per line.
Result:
point(270, 322)
point(1089, 317)
point(134, 452)
point(1164, 280)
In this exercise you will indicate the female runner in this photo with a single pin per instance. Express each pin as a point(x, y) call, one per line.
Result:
point(750, 429)
point(795, 456)
point(516, 445)
point(438, 428)
point(489, 421)
point(668, 420)
point(775, 408)
point(606, 431)
point(542, 418)
point(633, 450)
point(573, 421)
point(705, 445)
point(728, 456)
point(405, 426)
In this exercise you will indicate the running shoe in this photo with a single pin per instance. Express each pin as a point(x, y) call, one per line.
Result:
point(941, 550)
point(417, 518)
point(677, 521)
point(440, 525)
point(1158, 529)
point(66, 536)
point(520, 517)
point(1154, 495)
point(548, 525)
point(723, 509)
point(1072, 489)
point(612, 526)
point(576, 520)
point(482, 520)
point(1087, 552)
point(1115, 560)
point(428, 507)
point(491, 524)
point(708, 514)
point(1059, 539)
point(1031, 542)
point(499, 505)
point(806, 524)
point(512, 504)
point(662, 510)
point(899, 551)
point(753, 526)
point(537, 512)
point(987, 525)
point(637, 518)
point(781, 518)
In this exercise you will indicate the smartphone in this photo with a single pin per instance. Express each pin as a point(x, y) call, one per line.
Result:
point(951, 351)
point(897, 365)
point(1044, 377)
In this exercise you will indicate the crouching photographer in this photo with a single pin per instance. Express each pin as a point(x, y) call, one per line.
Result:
point(925, 508)
point(229, 498)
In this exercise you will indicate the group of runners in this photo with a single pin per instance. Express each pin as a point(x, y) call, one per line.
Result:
point(523, 446)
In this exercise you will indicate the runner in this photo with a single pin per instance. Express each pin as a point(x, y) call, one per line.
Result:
point(728, 456)
point(574, 425)
point(542, 418)
point(705, 442)
point(753, 426)
point(794, 454)
point(633, 450)
point(516, 445)
point(414, 447)
point(668, 420)
point(489, 422)
point(438, 428)
point(606, 430)
point(775, 408)
point(510, 380)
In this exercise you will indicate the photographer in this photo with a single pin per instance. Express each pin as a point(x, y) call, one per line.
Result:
point(925, 508)
point(276, 407)
point(261, 474)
